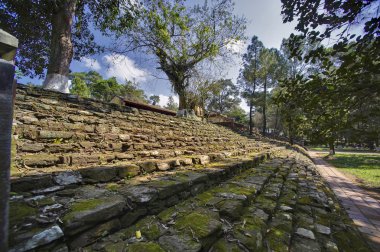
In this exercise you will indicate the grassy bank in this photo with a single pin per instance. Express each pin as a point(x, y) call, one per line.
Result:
point(365, 167)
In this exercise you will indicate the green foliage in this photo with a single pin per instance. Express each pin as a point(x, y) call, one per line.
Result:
point(171, 105)
point(337, 98)
point(91, 84)
point(181, 37)
point(238, 114)
point(154, 99)
point(79, 87)
point(224, 96)
point(31, 22)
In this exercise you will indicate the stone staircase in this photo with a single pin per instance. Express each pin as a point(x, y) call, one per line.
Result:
point(88, 175)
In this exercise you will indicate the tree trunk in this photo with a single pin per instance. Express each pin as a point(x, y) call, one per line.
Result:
point(291, 139)
point(61, 47)
point(264, 108)
point(182, 101)
point(276, 121)
point(250, 118)
point(331, 147)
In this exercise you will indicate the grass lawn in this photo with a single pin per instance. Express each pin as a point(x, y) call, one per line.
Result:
point(364, 167)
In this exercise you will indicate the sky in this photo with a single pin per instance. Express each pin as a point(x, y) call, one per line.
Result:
point(264, 21)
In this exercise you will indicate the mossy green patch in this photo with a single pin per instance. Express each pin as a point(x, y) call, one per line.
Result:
point(145, 247)
point(348, 240)
point(112, 186)
point(278, 240)
point(81, 206)
point(18, 211)
point(149, 227)
point(224, 246)
point(201, 224)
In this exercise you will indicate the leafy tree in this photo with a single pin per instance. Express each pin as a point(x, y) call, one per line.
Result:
point(181, 37)
point(171, 104)
point(238, 114)
point(154, 99)
point(105, 90)
point(269, 72)
point(224, 96)
point(131, 91)
point(52, 33)
point(347, 79)
point(79, 87)
point(248, 77)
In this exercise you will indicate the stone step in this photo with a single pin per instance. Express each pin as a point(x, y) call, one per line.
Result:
point(40, 164)
point(281, 205)
point(73, 210)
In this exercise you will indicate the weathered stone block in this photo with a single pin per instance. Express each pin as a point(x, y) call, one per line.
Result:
point(84, 160)
point(83, 214)
point(67, 178)
point(148, 166)
point(47, 134)
point(163, 166)
point(100, 174)
point(25, 184)
point(123, 156)
point(40, 160)
point(32, 147)
point(128, 170)
point(94, 234)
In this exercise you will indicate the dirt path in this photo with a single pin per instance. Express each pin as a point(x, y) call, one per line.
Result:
point(363, 209)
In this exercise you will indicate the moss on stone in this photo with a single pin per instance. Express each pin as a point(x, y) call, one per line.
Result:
point(278, 240)
point(199, 223)
point(348, 240)
point(224, 246)
point(45, 201)
point(81, 206)
point(145, 247)
point(112, 186)
point(18, 211)
point(149, 228)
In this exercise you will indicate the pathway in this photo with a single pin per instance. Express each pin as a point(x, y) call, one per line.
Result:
point(363, 209)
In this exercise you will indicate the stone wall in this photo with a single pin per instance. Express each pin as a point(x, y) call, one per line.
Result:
point(55, 132)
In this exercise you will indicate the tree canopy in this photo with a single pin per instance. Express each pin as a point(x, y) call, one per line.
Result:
point(52, 33)
point(180, 37)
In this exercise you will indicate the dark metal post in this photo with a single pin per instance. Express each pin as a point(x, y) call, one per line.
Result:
point(8, 46)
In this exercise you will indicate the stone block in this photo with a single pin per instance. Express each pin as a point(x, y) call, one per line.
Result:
point(92, 235)
point(163, 166)
point(128, 170)
point(84, 159)
point(40, 160)
point(100, 174)
point(32, 147)
point(47, 134)
point(83, 214)
point(148, 166)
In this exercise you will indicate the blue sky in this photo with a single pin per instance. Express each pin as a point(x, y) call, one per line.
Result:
point(265, 21)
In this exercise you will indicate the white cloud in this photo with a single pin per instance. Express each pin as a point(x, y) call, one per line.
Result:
point(92, 64)
point(236, 46)
point(164, 99)
point(122, 67)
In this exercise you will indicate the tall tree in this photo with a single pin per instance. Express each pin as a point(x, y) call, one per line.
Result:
point(52, 33)
point(269, 72)
point(224, 96)
point(171, 104)
point(154, 99)
point(248, 77)
point(181, 37)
